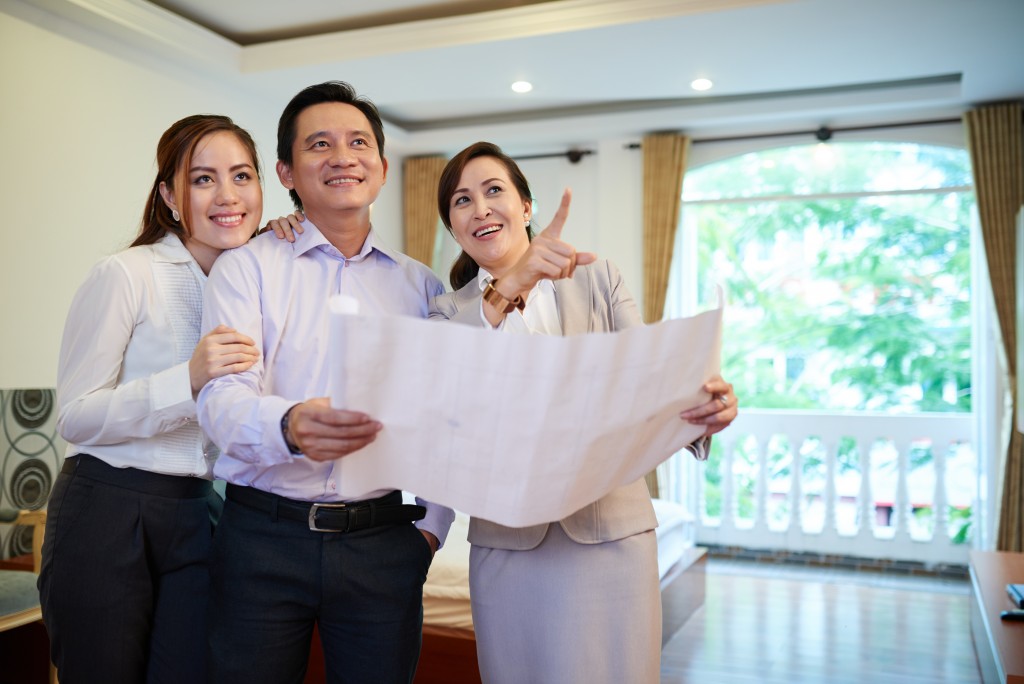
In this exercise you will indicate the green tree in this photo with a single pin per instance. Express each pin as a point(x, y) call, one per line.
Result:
point(865, 297)
point(847, 284)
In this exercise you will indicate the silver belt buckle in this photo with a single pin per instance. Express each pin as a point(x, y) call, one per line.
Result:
point(312, 515)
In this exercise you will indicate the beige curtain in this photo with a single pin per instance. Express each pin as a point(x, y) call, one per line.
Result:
point(664, 165)
point(420, 177)
point(995, 137)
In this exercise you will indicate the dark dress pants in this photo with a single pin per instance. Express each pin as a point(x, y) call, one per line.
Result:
point(125, 575)
point(272, 580)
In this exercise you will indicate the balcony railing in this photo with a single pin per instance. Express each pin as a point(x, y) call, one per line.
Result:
point(898, 487)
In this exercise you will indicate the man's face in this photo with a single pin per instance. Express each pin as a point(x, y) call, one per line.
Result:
point(336, 165)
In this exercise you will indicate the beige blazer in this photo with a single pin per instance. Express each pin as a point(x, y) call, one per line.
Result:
point(595, 299)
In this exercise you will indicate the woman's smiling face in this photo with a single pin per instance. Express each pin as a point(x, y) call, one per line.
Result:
point(225, 197)
point(488, 215)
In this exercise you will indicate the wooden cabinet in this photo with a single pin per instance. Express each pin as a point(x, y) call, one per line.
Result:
point(998, 643)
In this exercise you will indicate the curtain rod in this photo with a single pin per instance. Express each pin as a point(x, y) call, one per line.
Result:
point(822, 133)
point(573, 156)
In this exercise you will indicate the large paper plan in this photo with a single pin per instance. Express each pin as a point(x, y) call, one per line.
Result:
point(517, 429)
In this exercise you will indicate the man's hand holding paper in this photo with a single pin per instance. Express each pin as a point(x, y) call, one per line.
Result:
point(323, 433)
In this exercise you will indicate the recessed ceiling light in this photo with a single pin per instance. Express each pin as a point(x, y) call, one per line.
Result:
point(522, 86)
point(701, 84)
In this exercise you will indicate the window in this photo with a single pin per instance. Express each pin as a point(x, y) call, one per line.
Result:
point(846, 268)
point(847, 273)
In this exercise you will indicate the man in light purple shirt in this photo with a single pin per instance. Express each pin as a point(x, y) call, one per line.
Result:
point(288, 553)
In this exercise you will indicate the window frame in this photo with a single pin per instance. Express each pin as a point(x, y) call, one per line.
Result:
point(988, 387)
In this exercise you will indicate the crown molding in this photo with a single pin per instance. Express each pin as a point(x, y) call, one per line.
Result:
point(505, 24)
point(141, 29)
point(144, 25)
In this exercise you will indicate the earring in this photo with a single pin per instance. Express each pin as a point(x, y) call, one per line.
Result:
point(526, 218)
point(175, 215)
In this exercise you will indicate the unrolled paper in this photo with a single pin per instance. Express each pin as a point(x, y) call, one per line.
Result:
point(517, 429)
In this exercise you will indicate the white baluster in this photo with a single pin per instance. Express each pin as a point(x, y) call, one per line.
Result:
point(940, 507)
point(869, 429)
point(902, 503)
point(866, 499)
point(761, 487)
point(831, 447)
point(796, 515)
point(728, 502)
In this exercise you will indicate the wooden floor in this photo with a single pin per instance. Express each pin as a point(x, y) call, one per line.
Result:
point(786, 625)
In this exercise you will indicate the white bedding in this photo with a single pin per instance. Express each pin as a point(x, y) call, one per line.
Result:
point(446, 592)
point(675, 533)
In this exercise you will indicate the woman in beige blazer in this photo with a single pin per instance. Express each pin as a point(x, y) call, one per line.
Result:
point(575, 600)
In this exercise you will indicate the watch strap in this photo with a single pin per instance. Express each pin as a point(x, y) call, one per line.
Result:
point(500, 301)
point(292, 446)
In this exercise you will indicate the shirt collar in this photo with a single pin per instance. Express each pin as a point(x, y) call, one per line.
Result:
point(170, 249)
point(312, 238)
point(482, 278)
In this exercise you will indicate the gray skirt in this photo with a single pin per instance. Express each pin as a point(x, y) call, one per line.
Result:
point(566, 612)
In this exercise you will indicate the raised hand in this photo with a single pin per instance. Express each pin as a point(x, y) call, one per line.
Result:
point(286, 227)
point(222, 351)
point(548, 256)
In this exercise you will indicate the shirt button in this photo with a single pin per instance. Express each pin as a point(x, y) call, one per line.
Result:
point(332, 485)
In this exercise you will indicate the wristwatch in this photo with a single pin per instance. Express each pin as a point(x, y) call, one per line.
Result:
point(500, 301)
point(292, 446)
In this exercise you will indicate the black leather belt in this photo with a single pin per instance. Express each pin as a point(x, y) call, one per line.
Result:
point(330, 516)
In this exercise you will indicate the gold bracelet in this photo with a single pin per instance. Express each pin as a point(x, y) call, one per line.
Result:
point(500, 301)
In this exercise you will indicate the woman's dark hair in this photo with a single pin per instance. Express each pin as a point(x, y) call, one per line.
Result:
point(465, 268)
point(329, 91)
point(174, 155)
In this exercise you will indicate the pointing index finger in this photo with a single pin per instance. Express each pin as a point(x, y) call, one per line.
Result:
point(554, 228)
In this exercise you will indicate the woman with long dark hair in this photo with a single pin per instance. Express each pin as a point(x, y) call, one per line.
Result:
point(125, 557)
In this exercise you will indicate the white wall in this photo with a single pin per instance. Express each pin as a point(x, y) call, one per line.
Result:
point(605, 216)
point(79, 128)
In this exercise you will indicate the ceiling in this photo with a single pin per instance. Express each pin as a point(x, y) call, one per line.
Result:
point(597, 66)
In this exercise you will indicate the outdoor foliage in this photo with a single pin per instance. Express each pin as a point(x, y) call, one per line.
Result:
point(841, 300)
point(847, 281)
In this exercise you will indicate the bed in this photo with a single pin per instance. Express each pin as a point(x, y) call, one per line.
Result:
point(449, 648)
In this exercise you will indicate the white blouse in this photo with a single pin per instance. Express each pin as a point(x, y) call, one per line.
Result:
point(123, 387)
